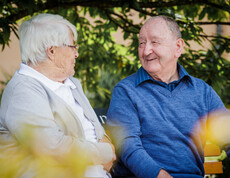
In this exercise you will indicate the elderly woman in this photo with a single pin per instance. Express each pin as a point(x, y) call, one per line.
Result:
point(44, 97)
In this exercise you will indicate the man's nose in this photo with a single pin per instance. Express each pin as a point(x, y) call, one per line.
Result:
point(148, 49)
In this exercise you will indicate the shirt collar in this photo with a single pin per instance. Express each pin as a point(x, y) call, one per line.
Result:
point(53, 85)
point(143, 76)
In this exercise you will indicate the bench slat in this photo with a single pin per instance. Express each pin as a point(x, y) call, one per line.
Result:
point(213, 168)
point(211, 150)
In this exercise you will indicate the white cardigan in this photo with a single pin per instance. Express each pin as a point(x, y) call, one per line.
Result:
point(57, 129)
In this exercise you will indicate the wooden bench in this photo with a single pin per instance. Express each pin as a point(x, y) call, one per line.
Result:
point(211, 151)
point(212, 165)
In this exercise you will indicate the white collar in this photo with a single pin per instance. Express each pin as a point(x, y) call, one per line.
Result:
point(53, 85)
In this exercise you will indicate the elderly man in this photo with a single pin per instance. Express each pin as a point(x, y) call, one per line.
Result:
point(153, 113)
point(43, 97)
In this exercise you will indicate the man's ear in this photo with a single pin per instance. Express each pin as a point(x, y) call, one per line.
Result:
point(179, 47)
point(50, 53)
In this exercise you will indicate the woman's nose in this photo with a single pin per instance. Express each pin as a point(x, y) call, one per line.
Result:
point(76, 53)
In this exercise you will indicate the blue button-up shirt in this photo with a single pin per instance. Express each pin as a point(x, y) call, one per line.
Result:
point(142, 76)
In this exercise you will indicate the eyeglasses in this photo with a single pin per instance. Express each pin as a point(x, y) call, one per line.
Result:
point(75, 47)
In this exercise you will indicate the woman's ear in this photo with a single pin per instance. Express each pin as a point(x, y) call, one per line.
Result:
point(179, 47)
point(50, 53)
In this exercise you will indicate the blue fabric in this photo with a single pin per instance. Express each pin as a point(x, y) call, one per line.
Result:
point(153, 127)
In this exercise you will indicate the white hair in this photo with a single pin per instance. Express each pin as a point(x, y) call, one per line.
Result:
point(41, 32)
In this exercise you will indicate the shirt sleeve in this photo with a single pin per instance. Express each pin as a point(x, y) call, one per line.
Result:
point(31, 121)
point(215, 102)
point(125, 128)
point(223, 113)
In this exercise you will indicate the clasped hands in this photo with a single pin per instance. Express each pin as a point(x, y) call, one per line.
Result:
point(109, 165)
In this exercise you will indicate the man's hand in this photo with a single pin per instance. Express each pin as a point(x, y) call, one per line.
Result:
point(163, 174)
point(109, 165)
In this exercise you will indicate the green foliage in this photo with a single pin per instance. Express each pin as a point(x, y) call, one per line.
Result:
point(102, 62)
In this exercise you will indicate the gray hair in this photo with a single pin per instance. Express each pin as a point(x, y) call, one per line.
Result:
point(41, 32)
point(171, 23)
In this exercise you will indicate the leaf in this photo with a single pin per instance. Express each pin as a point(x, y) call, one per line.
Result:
point(126, 35)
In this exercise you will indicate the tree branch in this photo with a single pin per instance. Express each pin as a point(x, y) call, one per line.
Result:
point(118, 24)
point(213, 23)
point(213, 36)
point(122, 18)
point(158, 4)
point(53, 4)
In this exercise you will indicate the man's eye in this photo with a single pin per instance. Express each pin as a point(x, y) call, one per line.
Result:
point(141, 43)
